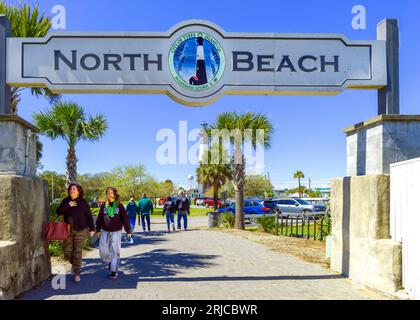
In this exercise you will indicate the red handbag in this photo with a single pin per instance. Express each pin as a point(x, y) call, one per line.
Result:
point(57, 231)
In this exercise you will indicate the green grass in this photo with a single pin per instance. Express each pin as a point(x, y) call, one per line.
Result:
point(194, 212)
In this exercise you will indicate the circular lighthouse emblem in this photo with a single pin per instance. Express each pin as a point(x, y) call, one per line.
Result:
point(197, 61)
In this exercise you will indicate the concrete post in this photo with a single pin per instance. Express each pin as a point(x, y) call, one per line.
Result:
point(5, 94)
point(389, 97)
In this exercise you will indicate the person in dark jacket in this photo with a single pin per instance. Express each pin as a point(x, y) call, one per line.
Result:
point(169, 210)
point(76, 212)
point(132, 209)
point(145, 209)
point(182, 205)
point(112, 218)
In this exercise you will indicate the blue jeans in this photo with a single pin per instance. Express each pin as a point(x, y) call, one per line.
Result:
point(132, 223)
point(183, 215)
point(170, 219)
point(145, 217)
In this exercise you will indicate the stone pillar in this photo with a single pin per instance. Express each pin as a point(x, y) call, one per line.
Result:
point(389, 96)
point(24, 210)
point(373, 145)
point(24, 256)
point(361, 246)
point(17, 146)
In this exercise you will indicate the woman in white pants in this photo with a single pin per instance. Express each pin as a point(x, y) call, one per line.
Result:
point(112, 218)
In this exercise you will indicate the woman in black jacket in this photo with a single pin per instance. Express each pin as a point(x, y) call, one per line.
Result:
point(76, 212)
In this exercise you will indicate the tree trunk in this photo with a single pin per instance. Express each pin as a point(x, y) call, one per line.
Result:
point(238, 180)
point(300, 191)
point(215, 196)
point(239, 210)
point(71, 163)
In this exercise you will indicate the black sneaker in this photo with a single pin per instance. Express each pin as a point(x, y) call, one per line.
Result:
point(113, 275)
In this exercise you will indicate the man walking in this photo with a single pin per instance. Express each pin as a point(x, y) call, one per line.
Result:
point(183, 207)
point(145, 208)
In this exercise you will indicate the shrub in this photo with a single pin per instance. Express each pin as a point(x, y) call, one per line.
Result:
point(227, 220)
point(95, 211)
point(53, 208)
point(56, 248)
point(266, 223)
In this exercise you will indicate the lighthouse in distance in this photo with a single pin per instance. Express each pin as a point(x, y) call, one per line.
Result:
point(200, 76)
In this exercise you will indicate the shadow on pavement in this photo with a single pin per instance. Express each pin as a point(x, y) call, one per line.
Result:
point(246, 278)
point(155, 263)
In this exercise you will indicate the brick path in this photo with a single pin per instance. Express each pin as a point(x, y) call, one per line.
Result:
point(202, 264)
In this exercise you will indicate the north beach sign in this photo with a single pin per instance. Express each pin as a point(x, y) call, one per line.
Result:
point(196, 62)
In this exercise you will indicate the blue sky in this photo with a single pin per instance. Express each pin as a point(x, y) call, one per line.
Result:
point(308, 130)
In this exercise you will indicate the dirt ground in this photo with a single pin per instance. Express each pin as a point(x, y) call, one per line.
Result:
point(307, 250)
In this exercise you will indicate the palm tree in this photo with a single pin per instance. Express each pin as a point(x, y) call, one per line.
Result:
point(299, 175)
point(239, 124)
point(27, 22)
point(68, 121)
point(214, 175)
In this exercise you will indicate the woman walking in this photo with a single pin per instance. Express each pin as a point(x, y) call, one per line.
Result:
point(169, 209)
point(111, 219)
point(76, 212)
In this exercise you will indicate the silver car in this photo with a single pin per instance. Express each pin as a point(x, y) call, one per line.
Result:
point(294, 206)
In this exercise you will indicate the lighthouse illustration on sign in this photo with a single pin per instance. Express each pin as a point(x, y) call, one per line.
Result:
point(200, 76)
point(196, 61)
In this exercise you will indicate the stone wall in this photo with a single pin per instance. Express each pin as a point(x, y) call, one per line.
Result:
point(361, 246)
point(24, 257)
point(17, 146)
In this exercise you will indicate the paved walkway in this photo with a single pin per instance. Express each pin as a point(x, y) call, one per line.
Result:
point(201, 264)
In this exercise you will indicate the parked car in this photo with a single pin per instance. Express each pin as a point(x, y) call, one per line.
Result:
point(209, 202)
point(320, 205)
point(294, 206)
point(250, 207)
point(162, 201)
point(269, 203)
point(200, 201)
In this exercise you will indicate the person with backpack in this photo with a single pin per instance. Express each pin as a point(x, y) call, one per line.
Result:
point(169, 209)
point(182, 205)
point(112, 218)
point(131, 209)
point(145, 209)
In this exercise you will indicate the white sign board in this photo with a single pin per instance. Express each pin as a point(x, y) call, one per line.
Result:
point(196, 62)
